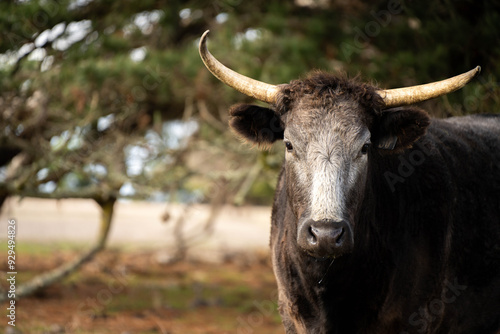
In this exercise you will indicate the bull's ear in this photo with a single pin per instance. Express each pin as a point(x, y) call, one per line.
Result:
point(256, 124)
point(400, 127)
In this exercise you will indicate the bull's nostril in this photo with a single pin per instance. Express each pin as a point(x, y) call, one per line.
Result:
point(339, 239)
point(312, 238)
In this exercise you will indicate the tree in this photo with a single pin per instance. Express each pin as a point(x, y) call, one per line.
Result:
point(103, 100)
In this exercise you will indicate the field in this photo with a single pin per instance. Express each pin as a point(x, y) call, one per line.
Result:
point(131, 292)
point(225, 285)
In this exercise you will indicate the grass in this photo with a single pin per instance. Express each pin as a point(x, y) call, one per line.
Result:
point(130, 292)
point(38, 248)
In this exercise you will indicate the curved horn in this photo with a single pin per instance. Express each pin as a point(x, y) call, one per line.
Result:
point(414, 94)
point(253, 88)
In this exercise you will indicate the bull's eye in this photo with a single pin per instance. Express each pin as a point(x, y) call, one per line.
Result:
point(365, 148)
point(289, 146)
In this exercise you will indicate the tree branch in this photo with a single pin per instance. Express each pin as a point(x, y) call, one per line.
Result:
point(44, 280)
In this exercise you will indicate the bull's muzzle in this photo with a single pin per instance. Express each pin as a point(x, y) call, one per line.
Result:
point(325, 238)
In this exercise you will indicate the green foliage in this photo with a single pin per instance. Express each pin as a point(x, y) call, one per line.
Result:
point(67, 65)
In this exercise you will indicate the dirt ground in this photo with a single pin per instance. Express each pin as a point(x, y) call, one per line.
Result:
point(225, 285)
point(124, 292)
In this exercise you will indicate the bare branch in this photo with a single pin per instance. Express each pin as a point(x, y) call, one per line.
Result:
point(207, 116)
point(247, 183)
point(44, 280)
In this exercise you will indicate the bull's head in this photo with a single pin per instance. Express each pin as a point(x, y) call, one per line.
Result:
point(331, 128)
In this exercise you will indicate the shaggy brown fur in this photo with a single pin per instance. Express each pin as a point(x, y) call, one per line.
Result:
point(324, 87)
point(425, 215)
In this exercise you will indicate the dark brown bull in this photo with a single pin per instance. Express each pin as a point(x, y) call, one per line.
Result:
point(384, 221)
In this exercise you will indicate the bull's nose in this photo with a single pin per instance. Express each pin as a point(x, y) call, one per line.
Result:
point(325, 238)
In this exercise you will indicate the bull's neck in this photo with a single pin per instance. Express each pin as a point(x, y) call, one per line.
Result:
point(386, 237)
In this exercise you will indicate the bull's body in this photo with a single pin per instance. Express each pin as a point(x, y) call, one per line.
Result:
point(427, 252)
point(384, 221)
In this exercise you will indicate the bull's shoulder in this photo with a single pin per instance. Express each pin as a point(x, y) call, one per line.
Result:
point(472, 134)
point(480, 123)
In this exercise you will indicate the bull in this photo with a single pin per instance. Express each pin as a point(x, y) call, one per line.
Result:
point(384, 220)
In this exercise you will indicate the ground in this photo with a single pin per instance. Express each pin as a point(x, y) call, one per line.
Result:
point(132, 292)
point(225, 286)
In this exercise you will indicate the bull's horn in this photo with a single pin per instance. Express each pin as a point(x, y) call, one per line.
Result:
point(253, 88)
point(414, 94)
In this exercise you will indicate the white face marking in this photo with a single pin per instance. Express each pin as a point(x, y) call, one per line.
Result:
point(325, 161)
point(330, 187)
point(330, 166)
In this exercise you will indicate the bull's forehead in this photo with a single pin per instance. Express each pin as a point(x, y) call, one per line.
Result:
point(334, 120)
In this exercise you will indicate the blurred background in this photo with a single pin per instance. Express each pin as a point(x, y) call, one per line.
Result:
point(137, 210)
